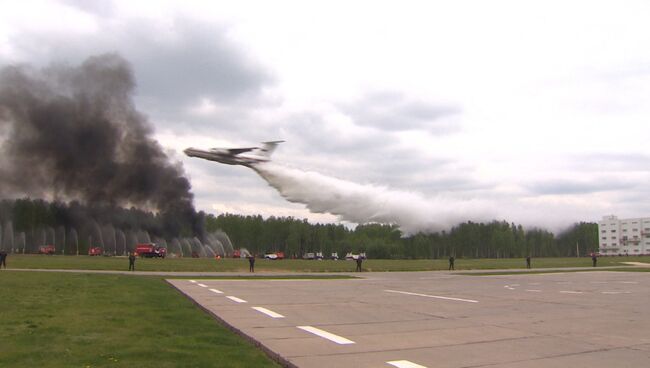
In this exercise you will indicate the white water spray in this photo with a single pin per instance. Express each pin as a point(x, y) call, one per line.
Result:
point(366, 203)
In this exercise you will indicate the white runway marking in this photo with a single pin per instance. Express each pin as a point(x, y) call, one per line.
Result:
point(236, 299)
point(432, 296)
point(629, 282)
point(268, 312)
point(202, 285)
point(404, 364)
point(534, 290)
point(193, 281)
point(216, 291)
point(570, 292)
point(326, 335)
point(638, 264)
point(616, 292)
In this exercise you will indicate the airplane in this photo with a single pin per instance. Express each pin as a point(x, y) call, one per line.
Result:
point(248, 156)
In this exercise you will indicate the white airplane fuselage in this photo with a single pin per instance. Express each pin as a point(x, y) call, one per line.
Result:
point(236, 156)
point(224, 157)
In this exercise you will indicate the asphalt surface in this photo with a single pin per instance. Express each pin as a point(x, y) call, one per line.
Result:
point(440, 319)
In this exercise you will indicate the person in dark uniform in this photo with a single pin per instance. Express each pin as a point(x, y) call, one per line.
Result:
point(527, 261)
point(3, 258)
point(451, 263)
point(594, 259)
point(131, 262)
point(251, 263)
point(359, 261)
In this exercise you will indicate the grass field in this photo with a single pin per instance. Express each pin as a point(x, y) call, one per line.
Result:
point(261, 265)
point(80, 320)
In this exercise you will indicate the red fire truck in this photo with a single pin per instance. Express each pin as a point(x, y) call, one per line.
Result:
point(46, 249)
point(95, 251)
point(150, 250)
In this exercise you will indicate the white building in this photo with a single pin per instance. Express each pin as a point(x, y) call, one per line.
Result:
point(624, 236)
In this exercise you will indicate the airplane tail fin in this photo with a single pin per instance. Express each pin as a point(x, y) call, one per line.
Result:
point(268, 147)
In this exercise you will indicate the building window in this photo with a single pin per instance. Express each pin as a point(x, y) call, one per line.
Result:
point(604, 231)
point(635, 229)
point(613, 231)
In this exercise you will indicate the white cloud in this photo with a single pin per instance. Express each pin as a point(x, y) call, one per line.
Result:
point(538, 95)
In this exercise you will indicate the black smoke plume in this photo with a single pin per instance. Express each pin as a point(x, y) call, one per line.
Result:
point(73, 133)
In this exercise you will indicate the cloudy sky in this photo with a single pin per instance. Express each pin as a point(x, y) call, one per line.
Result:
point(537, 110)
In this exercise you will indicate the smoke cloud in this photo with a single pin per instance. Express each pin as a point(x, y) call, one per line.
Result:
point(365, 203)
point(74, 133)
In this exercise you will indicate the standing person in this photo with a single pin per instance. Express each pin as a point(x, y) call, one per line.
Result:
point(359, 261)
point(251, 263)
point(3, 258)
point(131, 261)
point(594, 259)
point(451, 263)
point(527, 261)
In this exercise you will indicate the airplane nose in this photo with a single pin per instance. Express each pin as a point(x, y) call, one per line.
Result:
point(188, 151)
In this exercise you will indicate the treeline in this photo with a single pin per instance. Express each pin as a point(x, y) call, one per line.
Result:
point(496, 239)
point(73, 227)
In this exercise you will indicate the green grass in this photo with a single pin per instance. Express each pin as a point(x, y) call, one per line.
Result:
point(261, 265)
point(86, 320)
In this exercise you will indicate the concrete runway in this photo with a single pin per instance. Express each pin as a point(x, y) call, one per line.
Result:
point(438, 319)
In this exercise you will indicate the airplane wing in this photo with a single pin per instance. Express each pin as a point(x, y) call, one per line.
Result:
point(237, 151)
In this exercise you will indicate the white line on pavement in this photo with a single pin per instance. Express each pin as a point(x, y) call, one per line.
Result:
point(326, 335)
point(216, 291)
point(629, 282)
point(236, 299)
point(534, 290)
point(268, 312)
point(570, 292)
point(202, 285)
point(193, 281)
point(432, 296)
point(616, 292)
point(404, 364)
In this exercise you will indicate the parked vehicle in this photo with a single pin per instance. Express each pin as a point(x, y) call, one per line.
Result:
point(276, 255)
point(46, 249)
point(150, 250)
point(95, 251)
point(351, 256)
